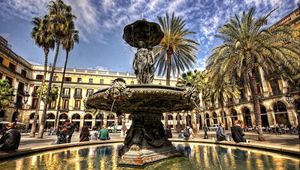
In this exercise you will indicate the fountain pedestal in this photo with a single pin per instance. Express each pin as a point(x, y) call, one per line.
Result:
point(146, 141)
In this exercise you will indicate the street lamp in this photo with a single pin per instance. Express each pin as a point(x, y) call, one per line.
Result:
point(18, 104)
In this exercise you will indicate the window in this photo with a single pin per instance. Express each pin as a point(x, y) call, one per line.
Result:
point(24, 73)
point(68, 79)
point(34, 103)
point(55, 78)
point(65, 104)
point(101, 81)
point(21, 88)
point(132, 82)
point(77, 104)
point(1, 60)
point(89, 92)
point(52, 105)
point(77, 92)
point(10, 81)
point(12, 67)
point(90, 80)
point(79, 80)
point(66, 91)
point(39, 77)
point(275, 87)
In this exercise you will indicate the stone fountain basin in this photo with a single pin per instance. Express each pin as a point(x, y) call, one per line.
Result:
point(145, 97)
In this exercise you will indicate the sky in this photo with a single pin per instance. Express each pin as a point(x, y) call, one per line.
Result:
point(101, 22)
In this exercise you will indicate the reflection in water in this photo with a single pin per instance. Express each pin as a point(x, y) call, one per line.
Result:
point(195, 156)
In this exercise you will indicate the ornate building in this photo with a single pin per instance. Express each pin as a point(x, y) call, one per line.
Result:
point(279, 103)
point(79, 83)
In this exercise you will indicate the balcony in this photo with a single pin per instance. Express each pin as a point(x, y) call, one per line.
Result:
point(65, 96)
point(77, 96)
point(76, 108)
point(66, 109)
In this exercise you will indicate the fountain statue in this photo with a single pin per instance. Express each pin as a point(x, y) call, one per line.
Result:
point(145, 141)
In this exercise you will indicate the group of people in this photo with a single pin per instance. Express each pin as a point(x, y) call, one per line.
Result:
point(65, 132)
point(237, 132)
point(102, 134)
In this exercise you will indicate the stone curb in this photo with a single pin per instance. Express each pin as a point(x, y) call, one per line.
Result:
point(244, 145)
point(28, 151)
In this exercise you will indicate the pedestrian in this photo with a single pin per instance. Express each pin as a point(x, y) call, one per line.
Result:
point(237, 132)
point(70, 127)
point(220, 133)
point(103, 134)
point(84, 134)
point(205, 128)
point(10, 140)
point(61, 135)
point(168, 132)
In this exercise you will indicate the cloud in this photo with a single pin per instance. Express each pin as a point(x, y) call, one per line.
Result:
point(98, 20)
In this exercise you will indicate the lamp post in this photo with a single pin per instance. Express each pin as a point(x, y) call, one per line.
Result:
point(17, 104)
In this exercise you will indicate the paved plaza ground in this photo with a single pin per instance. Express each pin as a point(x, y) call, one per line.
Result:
point(287, 141)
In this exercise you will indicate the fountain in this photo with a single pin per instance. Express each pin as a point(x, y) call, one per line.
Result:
point(145, 141)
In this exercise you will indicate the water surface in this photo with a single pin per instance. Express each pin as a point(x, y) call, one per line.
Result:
point(195, 156)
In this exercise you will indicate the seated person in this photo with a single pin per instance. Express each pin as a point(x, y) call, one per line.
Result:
point(237, 132)
point(10, 141)
point(220, 133)
point(103, 134)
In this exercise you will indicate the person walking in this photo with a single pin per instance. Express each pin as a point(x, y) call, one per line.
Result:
point(70, 130)
point(84, 134)
point(61, 135)
point(103, 134)
point(220, 133)
point(237, 132)
point(10, 140)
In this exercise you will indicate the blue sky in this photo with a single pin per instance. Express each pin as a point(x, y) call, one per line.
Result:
point(101, 22)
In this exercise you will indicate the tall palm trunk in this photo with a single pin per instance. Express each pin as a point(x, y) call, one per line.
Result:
point(61, 90)
point(222, 111)
point(43, 120)
point(33, 126)
point(256, 104)
point(169, 67)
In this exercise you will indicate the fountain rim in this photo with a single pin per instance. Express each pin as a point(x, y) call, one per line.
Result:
point(27, 152)
point(146, 86)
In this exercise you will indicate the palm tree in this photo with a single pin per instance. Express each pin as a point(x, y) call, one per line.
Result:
point(250, 44)
point(220, 89)
point(59, 16)
point(195, 78)
point(43, 38)
point(68, 44)
point(175, 52)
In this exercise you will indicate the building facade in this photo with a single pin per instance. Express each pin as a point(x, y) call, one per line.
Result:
point(280, 104)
